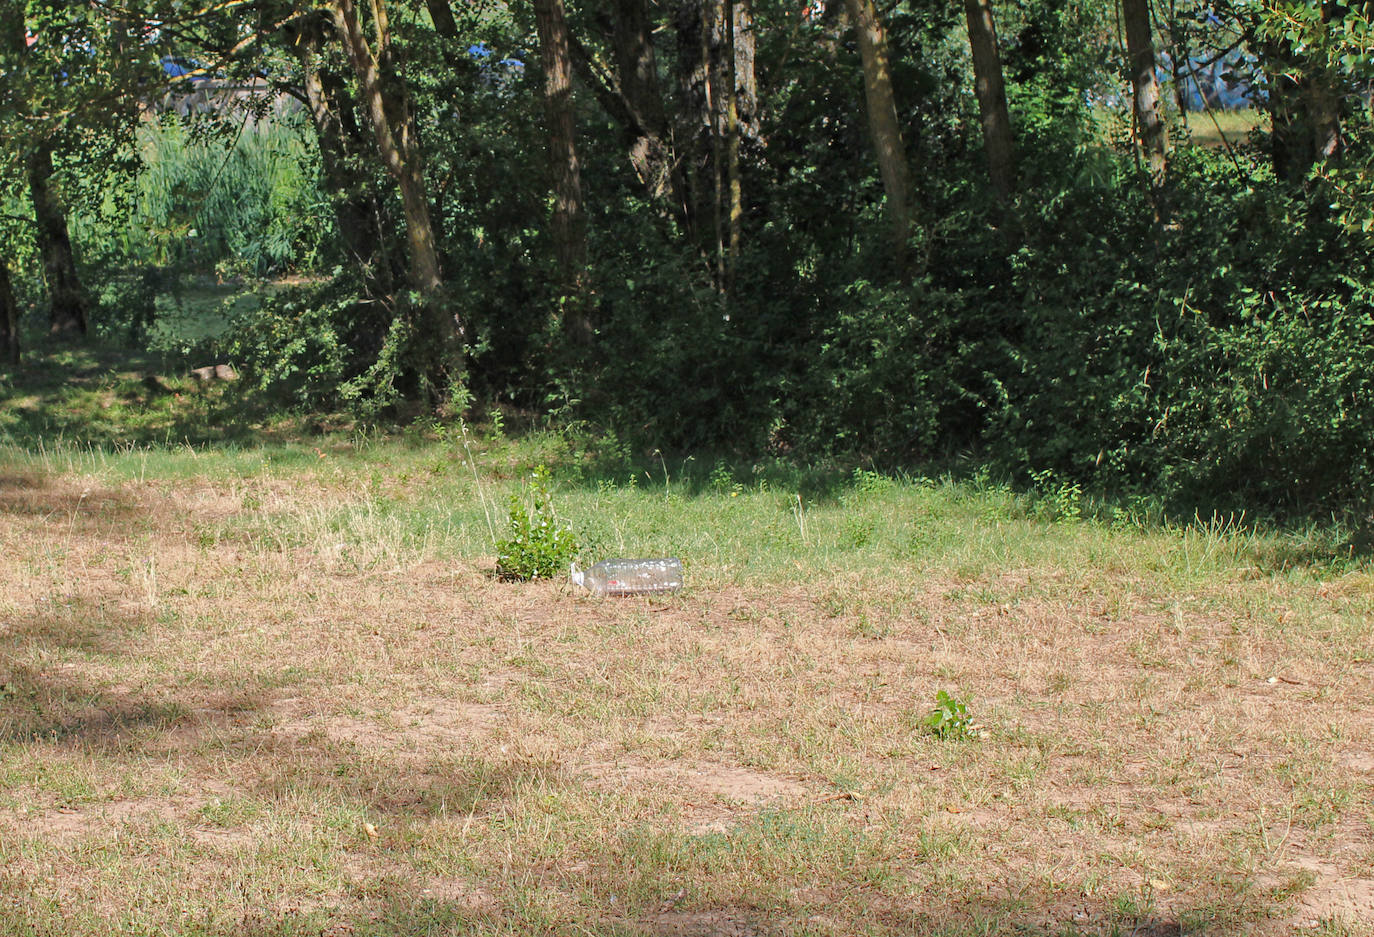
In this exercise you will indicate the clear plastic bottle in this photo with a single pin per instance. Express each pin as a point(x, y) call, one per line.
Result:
point(631, 577)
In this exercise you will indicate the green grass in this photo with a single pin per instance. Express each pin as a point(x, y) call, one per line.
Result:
point(270, 684)
point(1210, 128)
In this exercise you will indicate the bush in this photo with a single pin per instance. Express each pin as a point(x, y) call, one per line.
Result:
point(536, 545)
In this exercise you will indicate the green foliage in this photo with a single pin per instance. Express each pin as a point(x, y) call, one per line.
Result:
point(1217, 362)
point(246, 205)
point(1058, 500)
point(536, 546)
point(298, 347)
point(949, 719)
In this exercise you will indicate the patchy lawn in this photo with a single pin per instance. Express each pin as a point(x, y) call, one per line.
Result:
point(280, 692)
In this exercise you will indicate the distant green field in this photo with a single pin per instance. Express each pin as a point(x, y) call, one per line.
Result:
point(1209, 128)
point(201, 310)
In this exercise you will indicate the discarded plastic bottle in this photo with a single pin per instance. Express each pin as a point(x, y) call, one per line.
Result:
point(631, 577)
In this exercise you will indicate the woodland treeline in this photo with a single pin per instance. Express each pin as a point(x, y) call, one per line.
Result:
point(892, 231)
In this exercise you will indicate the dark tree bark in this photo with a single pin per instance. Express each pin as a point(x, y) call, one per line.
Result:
point(695, 126)
point(747, 107)
point(355, 211)
point(441, 15)
point(884, 127)
point(712, 71)
point(1179, 55)
point(9, 317)
point(1304, 106)
point(992, 96)
point(387, 102)
point(732, 146)
point(642, 115)
point(713, 62)
point(1149, 119)
point(569, 217)
point(66, 296)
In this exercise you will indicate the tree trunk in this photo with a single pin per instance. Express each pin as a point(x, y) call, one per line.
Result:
point(388, 108)
point(732, 135)
point(359, 224)
point(1304, 106)
point(712, 37)
point(9, 317)
point(712, 70)
point(1324, 100)
point(441, 15)
point(645, 121)
point(992, 96)
point(438, 342)
point(884, 127)
point(1179, 54)
point(747, 108)
point(695, 133)
point(569, 220)
point(66, 296)
point(1149, 121)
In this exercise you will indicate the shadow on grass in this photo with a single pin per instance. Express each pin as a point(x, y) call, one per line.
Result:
point(89, 510)
point(397, 911)
point(106, 397)
point(101, 396)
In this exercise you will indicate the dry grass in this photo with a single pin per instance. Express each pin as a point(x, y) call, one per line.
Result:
point(249, 703)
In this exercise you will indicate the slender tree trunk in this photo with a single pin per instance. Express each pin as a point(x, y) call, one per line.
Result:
point(9, 317)
point(644, 120)
point(712, 14)
point(441, 15)
point(569, 218)
point(66, 296)
point(1149, 121)
point(439, 339)
point(359, 226)
point(732, 139)
point(388, 108)
point(1179, 55)
point(992, 96)
point(695, 133)
point(884, 127)
point(712, 70)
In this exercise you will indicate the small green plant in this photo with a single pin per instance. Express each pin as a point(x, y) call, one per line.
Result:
point(723, 480)
point(536, 546)
point(949, 719)
point(1057, 499)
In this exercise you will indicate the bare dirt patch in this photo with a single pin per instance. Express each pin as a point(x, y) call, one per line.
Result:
point(339, 731)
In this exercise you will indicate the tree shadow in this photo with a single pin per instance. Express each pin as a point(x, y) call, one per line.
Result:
point(396, 909)
point(89, 509)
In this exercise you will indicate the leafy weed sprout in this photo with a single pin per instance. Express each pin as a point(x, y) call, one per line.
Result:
point(950, 719)
point(536, 546)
